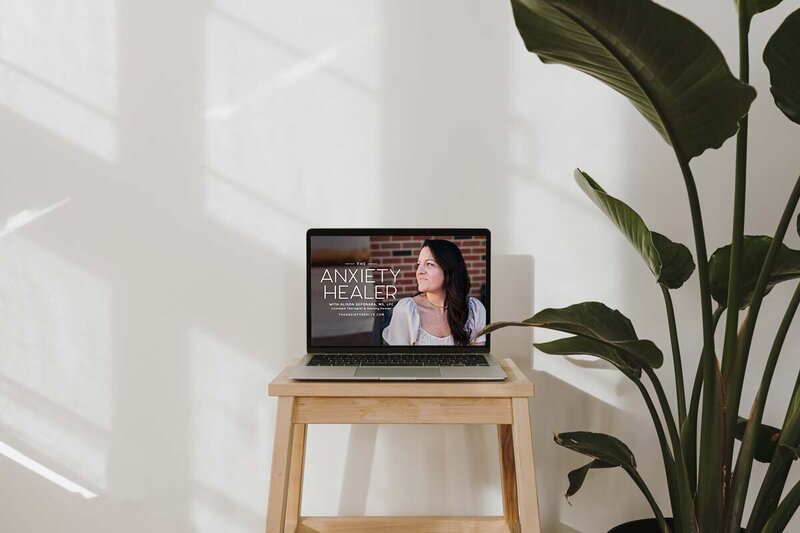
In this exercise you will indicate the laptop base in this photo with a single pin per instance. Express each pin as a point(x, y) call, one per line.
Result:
point(490, 372)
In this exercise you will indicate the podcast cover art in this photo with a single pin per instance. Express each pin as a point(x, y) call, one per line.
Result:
point(356, 282)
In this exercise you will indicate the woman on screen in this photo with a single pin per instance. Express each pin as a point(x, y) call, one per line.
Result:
point(442, 313)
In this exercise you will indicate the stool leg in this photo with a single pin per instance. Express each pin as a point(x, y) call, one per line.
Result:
point(508, 476)
point(523, 461)
point(295, 491)
point(281, 460)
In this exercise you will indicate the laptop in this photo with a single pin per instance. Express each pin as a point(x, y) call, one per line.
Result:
point(397, 304)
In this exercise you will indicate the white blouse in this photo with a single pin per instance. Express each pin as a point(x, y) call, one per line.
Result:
point(405, 327)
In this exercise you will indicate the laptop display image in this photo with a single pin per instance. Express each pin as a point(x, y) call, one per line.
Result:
point(398, 304)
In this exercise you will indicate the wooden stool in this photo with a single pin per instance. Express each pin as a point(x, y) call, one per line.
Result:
point(503, 403)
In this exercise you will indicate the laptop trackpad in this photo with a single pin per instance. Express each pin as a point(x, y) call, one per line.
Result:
point(396, 373)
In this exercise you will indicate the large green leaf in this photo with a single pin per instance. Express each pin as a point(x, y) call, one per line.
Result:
point(670, 70)
point(592, 319)
point(754, 252)
point(782, 57)
point(579, 345)
point(671, 263)
point(610, 452)
point(578, 476)
point(767, 439)
point(600, 446)
point(597, 321)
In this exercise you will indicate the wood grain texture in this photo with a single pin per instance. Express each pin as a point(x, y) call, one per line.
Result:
point(402, 410)
point(279, 476)
point(294, 492)
point(404, 524)
point(508, 476)
point(516, 386)
point(523, 462)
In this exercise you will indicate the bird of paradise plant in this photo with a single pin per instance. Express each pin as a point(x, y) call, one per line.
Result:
point(677, 78)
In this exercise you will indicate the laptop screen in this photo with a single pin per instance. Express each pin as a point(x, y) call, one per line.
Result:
point(404, 290)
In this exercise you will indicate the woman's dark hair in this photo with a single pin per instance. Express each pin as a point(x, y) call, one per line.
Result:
point(456, 286)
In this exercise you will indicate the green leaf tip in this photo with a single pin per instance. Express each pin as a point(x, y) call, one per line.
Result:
point(671, 263)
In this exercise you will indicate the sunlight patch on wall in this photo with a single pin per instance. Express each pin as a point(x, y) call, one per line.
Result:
point(58, 68)
point(74, 448)
point(26, 216)
point(291, 129)
point(305, 29)
point(254, 216)
point(55, 374)
point(54, 477)
point(231, 436)
point(55, 329)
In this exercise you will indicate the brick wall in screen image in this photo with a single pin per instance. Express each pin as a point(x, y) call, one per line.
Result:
point(402, 252)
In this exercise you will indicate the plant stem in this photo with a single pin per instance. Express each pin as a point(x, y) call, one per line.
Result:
point(662, 524)
point(744, 462)
point(702, 257)
point(775, 479)
point(669, 462)
point(780, 519)
point(689, 427)
point(676, 356)
point(668, 417)
point(737, 370)
point(686, 520)
point(739, 197)
point(737, 238)
point(712, 446)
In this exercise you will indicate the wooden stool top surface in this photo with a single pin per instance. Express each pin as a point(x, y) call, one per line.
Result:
point(516, 386)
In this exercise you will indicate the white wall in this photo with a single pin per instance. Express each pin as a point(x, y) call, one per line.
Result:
point(161, 162)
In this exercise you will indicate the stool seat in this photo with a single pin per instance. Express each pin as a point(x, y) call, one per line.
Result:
point(503, 403)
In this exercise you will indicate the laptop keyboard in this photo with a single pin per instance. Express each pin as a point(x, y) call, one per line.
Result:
point(381, 359)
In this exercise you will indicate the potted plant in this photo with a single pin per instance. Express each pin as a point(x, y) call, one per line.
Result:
point(677, 78)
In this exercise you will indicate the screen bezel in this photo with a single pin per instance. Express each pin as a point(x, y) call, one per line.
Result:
point(366, 232)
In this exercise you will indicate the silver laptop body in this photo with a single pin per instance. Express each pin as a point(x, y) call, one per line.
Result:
point(363, 292)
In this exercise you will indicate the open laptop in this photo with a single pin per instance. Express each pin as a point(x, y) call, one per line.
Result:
point(397, 304)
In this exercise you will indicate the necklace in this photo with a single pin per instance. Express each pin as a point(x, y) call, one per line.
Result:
point(433, 304)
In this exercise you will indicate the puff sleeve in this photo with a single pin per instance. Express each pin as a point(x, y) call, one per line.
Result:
point(404, 326)
point(477, 320)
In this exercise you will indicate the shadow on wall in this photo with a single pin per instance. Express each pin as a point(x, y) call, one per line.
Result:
point(133, 320)
point(557, 407)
